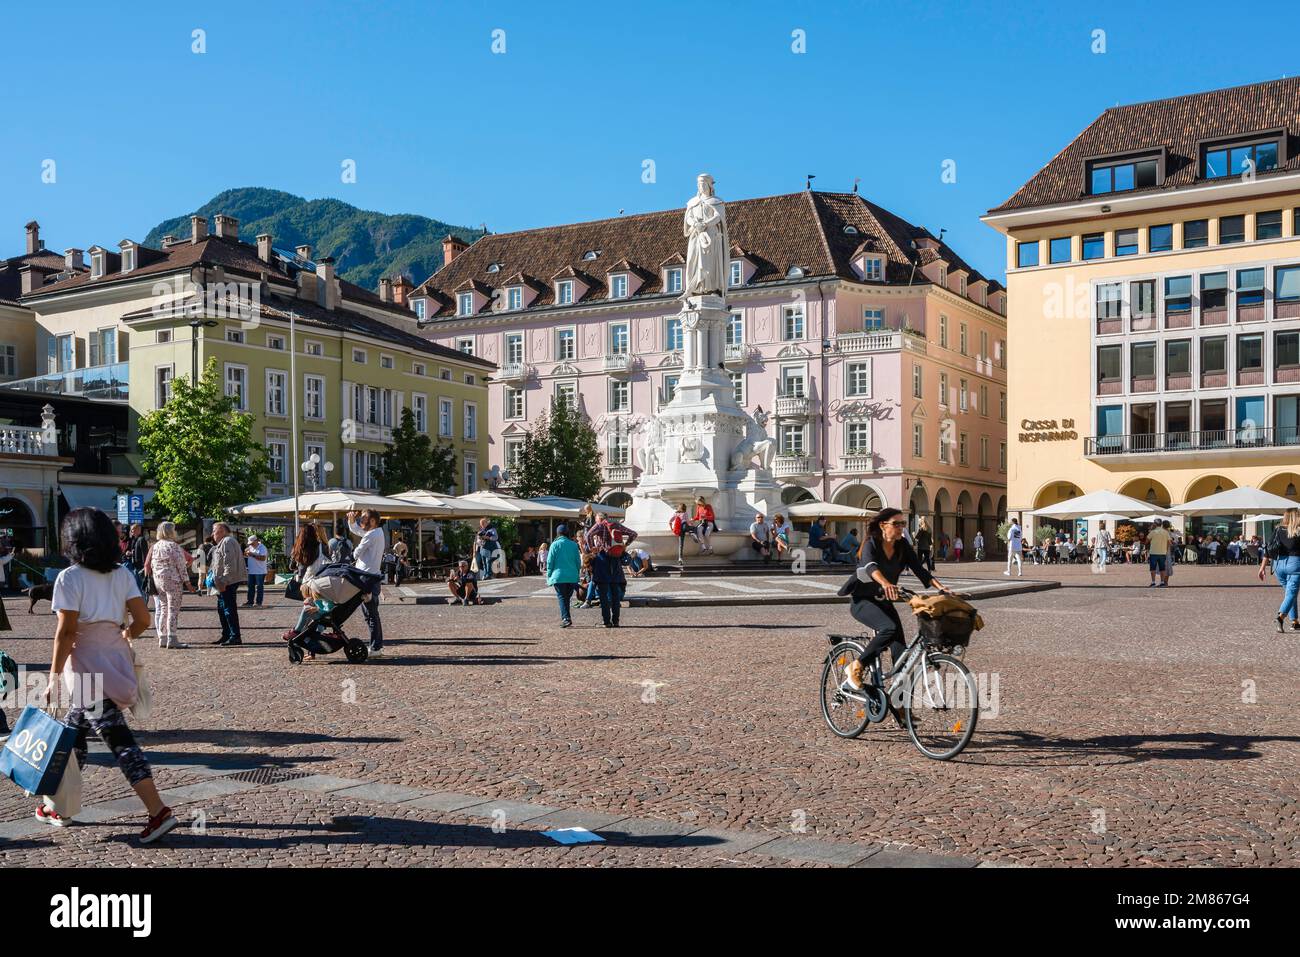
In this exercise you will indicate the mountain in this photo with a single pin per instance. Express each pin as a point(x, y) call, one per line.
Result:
point(365, 245)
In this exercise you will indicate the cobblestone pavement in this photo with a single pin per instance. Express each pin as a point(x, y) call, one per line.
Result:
point(1133, 726)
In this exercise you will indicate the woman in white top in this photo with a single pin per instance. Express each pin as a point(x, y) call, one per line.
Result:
point(92, 654)
point(310, 556)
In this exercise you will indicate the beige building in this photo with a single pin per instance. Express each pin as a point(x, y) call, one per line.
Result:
point(1153, 274)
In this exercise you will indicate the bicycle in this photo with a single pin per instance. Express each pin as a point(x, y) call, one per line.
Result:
point(939, 695)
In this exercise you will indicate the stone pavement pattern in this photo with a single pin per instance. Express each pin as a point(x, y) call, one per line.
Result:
point(1134, 727)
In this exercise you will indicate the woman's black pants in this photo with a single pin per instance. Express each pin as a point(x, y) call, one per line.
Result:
point(882, 618)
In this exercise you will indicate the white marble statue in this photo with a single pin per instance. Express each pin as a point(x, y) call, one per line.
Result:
point(707, 250)
point(756, 444)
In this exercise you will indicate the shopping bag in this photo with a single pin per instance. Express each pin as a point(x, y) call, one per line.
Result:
point(66, 801)
point(143, 706)
point(293, 590)
point(37, 751)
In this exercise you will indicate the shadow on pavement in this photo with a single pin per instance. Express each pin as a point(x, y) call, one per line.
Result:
point(1125, 748)
point(253, 739)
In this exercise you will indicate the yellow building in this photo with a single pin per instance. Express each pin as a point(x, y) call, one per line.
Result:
point(1153, 275)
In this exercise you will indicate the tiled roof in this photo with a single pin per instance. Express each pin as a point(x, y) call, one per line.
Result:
point(804, 229)
point(11, 280)
point(1178, 125)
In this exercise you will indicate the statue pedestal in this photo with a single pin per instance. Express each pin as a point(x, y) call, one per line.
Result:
point(694, 445)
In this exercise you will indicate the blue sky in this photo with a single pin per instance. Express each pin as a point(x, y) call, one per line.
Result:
point(558, 127)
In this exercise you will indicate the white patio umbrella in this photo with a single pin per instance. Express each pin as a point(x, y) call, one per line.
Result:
point(1262, 518)
point(1113, 518)
point(494, 503)
point(1148, 519)
point(827, 509)
point(1095, 503)
point(1236, 501)
point(454, 507)
point(572, 507)
point(333, 501)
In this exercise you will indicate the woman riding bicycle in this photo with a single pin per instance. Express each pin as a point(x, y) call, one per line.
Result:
point(884, 555)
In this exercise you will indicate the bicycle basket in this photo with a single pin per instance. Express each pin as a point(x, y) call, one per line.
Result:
point(947, 630)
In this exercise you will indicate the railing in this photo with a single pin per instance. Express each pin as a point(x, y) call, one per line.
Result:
point(618, 362)
point(1201, 441)
point(513, 371)
point(851, 343)
point(791, 406)
point(735, 352)
point(857, 462)
point(618, 474)
point(785, 465)
point(106, 382)
point(23, 440)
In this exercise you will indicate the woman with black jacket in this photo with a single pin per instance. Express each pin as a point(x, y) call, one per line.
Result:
point(885, 553)
point(1284, 555)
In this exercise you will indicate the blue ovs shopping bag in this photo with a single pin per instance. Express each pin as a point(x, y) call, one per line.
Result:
point(37, 752)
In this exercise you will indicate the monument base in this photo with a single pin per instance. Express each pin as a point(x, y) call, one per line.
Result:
point(736, 499)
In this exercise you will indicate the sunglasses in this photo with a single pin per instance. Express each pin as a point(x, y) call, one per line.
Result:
point(897, 524)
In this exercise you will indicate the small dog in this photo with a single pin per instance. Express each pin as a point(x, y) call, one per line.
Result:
point(42, 592)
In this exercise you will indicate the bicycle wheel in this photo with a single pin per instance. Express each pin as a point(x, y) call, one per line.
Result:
point(844, 714)
point(942, 706)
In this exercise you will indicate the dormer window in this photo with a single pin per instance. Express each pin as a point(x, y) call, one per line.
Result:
point(1256, 154)
point(96, 265)
point(961, 285)
point(737, 274)
point(564, 292)
point(943, 276)
point(873, 269)
point(794, 272)
point(618, 286)
point(128, 258)
point(850, 230)
point(673, 280)
point(465, 304)
point(419, 306)
point(591, 255)
point(515, 298)
point(1123, 175)
point(494, 267)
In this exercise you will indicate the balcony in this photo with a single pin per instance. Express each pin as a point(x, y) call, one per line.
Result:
point(1155, 447)
point(514, 372)
point(787, 466)
point(792, 406)
point(857, 462)
point(855, 343)
point(24, 440)
point(736, 354)
point(618, 474)
point(108, 383)
point(620, 364)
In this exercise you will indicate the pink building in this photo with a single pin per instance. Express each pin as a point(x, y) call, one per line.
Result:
point(877, 353)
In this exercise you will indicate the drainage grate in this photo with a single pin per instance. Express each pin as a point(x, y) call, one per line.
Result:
point(267, 775)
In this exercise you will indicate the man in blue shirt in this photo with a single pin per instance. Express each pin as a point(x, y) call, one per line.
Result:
point(817, 538)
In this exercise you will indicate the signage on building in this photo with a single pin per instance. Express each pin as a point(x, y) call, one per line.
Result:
point(1047, 430)
point(130, 509)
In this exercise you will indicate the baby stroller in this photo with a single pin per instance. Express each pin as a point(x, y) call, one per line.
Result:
point(345, 587)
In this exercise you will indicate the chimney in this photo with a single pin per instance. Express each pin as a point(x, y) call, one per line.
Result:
point(72, 259)
point(452, 246)
point(327, 293)
point(401, 290)
point(198, 229)
point(33, 237)
point(304, 252)
point(227, 227)
point(264, 247)
point(385, 289)
point(307, 285)
point(33, 278)
point(168, 240)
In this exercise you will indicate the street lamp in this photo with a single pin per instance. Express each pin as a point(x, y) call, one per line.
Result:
point(309, 469)
point(195, 325)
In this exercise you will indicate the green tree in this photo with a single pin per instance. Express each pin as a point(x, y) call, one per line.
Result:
point(413, 461)
point(200, 453)
point(561, 456)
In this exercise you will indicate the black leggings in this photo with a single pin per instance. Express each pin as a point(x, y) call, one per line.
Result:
point(107, 721)
point(882, 618)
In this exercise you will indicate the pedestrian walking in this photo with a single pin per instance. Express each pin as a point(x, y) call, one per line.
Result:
point(309, 555)
point(925, 544)
point(369, 557)
point(138, 550)
point(1158, 555)
point(563, 569)
point(340, 546)
point(606, 542)
point(958, 546)
point(760, 538)
point(168, 566)
point(1015, 549)
point(255, 556)
point(1101, 546)
point(485, 546)
point(979, 546)
point(228, 571)
point(93, 660)
point(1284, 556)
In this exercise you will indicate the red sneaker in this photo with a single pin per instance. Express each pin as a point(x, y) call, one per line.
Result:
point(46, 816)
point(158, 825)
